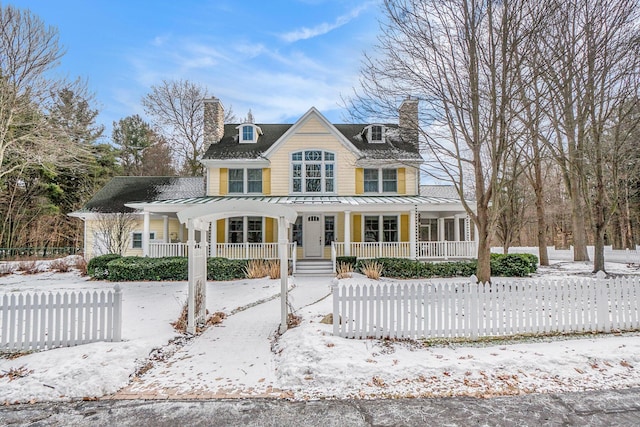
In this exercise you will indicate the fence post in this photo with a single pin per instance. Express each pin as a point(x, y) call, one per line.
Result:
point(117, 314)
point(335, 290)
point(602, 301)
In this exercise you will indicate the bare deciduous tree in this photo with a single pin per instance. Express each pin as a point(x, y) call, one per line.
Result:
point(113, 231)
point(29, 51)
point(460, 58)
point(177, 110)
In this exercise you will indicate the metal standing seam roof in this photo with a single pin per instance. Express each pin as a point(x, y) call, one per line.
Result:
point(312, 200)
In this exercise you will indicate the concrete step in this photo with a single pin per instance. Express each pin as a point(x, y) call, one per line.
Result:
point(314, 267)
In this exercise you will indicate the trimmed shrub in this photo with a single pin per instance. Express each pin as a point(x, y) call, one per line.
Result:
point(401, 268)
point(513, 265)
point(128, 269)
point(97, 267)
point(226, 269)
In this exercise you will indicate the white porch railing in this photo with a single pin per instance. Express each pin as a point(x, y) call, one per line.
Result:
point(447, 249)
point(224, 250)
point(161, 250)
point(424, 250)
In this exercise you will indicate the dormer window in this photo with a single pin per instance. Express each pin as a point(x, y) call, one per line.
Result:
point(248, 133)
point(375, 134)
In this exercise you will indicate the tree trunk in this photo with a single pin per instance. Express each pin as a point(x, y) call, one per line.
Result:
point(578, 226)
point(483, 271)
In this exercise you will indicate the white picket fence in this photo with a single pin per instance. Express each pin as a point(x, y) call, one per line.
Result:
point(47, 320)
point(474, 310)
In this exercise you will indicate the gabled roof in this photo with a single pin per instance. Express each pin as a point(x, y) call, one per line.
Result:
point(394, 146)
point(125, 189)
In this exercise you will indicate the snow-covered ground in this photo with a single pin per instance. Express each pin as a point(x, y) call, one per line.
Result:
point(244, 356)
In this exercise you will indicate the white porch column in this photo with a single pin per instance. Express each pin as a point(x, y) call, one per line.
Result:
point(412, 234)
point(347, 233)
point(456, 228)
point(283, 248)
point(213, 237)
point(165, 230)
point(145, 234)
point(440, 229)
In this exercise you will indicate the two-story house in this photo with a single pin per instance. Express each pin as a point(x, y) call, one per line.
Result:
point(355, 189)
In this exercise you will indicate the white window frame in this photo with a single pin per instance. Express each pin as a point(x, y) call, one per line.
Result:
point(152, 236)
point(381, 181)
point(256, 132)
point(245, 181)
point(245, 229)
point(380, 227)
point(369, 133)
point(323, 172)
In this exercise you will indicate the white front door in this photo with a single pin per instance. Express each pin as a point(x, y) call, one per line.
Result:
point(312, 236)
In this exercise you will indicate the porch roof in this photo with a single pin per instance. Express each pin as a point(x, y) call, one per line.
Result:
point(333, 203)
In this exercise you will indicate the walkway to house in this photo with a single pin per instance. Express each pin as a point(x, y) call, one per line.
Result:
point(225, 358)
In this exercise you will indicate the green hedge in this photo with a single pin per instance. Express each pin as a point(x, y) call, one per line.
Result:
point(97, 267)
point(509, 265)
point(226, 269)
point(513, 265)
point(127, 269)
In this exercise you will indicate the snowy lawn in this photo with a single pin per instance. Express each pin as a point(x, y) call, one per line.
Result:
point(243, 357)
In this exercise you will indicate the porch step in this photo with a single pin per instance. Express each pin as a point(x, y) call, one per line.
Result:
point(321, 267)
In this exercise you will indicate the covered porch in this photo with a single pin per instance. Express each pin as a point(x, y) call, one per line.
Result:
point(409, 227)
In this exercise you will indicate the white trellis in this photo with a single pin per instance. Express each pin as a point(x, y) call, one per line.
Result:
point(200, 218)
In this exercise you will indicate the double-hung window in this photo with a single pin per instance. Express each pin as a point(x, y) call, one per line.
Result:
point(245, 229)
point(376, 180)
point(313, 171)
point(136, 239)
point(243, 181)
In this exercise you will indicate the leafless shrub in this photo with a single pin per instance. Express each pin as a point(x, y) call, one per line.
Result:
point(344, 270)
point(7, 268)
point(81, 265)
point(28, 267)
point(60, 265)
point(372, 269)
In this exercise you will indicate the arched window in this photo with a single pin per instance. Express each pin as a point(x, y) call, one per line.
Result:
point(312, 172)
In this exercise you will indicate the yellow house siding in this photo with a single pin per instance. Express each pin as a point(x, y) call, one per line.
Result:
point(356, 228)
point(410, 181)
point(266, 181)
point(224, 186)
point(404, 228)
point(359, 181)
point(312, 135)
point(213, 189)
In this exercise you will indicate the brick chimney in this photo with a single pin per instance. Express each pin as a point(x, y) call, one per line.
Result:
point(408, 121)
point(213, 122)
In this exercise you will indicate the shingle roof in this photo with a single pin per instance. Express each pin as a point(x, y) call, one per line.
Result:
point(125, 189)
point(393, 148)
point(446, 191)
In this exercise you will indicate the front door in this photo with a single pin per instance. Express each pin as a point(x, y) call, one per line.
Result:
point(312, 236)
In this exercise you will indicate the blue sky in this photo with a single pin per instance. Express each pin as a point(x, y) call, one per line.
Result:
point(277, 58)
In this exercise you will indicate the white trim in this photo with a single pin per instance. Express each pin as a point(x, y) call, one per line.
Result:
point(256, 132)
point(313, 112)
point(368, 130)
point(323, 163)
point(236, 163)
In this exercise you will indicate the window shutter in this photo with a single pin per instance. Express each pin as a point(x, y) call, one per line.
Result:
point(266, 181)
point(220, 229)
point(402, 181)
point(359, 180)
point(268, 232)
point(356, 231)
point(404, 228)
point(224, 181)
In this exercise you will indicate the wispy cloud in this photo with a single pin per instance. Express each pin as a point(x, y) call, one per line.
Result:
point(324, 28)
